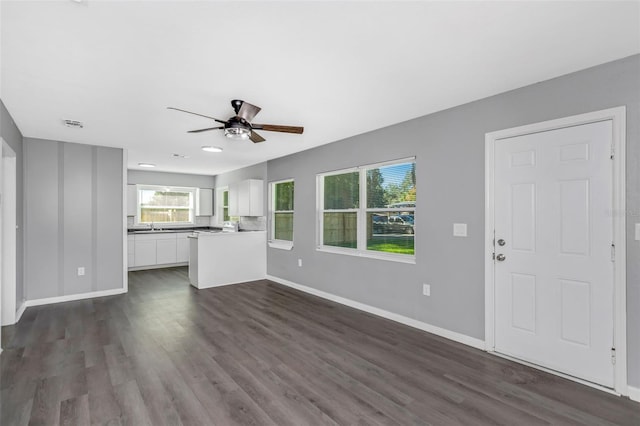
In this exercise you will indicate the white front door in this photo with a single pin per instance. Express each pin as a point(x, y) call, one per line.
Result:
point(554, 227)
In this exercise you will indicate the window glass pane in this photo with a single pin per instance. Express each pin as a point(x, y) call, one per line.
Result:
point(283, 226)
point(225, 214)
point(165, 199)
point(341, 191)
point(340, 229)
point(388, 186)
point(391, 232)
point(170, 206)
point(148, 214)
point(225, 199)
point(283, 196)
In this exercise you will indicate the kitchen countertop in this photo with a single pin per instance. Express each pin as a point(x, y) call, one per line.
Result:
point(171, 230)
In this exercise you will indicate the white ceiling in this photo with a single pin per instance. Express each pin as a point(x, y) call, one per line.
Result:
point(337, 68)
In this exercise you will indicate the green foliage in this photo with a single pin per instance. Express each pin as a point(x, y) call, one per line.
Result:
point(342, 191)
point(284, 196)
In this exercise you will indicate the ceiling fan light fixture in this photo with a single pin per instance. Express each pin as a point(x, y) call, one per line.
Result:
point(237, 132)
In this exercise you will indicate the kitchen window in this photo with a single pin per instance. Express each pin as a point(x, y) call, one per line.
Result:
point(222, 203)
point(166, 205)
point(281, 214)
point(369, 211)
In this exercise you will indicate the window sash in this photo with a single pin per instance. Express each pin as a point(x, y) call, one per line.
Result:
point(273, 193)
point(362, 212)
point(141, 206)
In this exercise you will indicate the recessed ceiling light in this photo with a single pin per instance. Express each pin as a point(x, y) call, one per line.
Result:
point(212, 148)
point(147, 165)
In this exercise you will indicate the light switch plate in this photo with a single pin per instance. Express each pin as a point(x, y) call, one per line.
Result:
point(637, 231)
point(81, 271)
point(459, 229)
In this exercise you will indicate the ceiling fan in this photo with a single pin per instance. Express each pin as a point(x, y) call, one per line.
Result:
point(239, 126)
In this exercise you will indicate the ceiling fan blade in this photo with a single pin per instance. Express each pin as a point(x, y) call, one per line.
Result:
point(201, 115)
point(255, 138)
point(205, 130)
point(277, 128)
point(248, 111)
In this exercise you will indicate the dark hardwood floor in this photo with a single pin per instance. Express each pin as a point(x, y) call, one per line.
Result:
point(262, 354)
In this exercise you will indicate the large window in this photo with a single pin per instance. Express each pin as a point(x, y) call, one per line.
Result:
point(369, 210)
point(159, 204)
point(281, 213)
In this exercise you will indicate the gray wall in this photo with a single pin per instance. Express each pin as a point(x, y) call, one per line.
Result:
point(170, 179)
point(257, 171)
point(11, 134)
point(449, 150)
point(73, 218)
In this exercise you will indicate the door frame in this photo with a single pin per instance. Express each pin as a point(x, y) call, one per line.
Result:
point(8, 237)
point(618, 117)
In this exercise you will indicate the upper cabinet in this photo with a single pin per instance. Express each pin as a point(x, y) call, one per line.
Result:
point(204, 202)
point(132, 200)
point(246, 198)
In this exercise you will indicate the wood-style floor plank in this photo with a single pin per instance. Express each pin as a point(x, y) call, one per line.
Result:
point(262, 354)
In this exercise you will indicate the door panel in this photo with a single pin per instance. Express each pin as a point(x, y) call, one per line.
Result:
point(554, 288)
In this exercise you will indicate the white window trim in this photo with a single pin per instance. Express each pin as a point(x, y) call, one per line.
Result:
point(219, 204)
point(192, 207)
point(362, 210)
point(274, 243)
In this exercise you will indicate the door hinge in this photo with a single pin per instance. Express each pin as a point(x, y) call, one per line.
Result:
point(613, 252)
point(613, 355)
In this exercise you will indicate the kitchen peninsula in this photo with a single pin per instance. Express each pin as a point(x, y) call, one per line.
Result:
point(222, 258)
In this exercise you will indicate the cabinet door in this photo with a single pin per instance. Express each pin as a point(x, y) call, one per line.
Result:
point(256, 200)
point(145, 252)
point(166, 251)
point(204, 202)
point(234, 199)
point(131, 258)
point(182, 248)
point(132, 200)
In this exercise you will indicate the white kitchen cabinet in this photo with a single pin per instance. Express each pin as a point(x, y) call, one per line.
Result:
point(204, 202)
point(156, 249)
point(182, 247)
point(145, 250)
point(165, 248)
point(131, 258)
point(246, 198)
point(132, 200)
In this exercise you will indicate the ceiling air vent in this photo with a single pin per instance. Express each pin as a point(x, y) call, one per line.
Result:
point(73, 123)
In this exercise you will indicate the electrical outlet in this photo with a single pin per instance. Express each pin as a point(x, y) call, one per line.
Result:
point(81, 271)
point(300, 263)
point(426, 289)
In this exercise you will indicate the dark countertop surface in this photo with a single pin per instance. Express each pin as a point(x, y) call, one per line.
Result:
point(168, 229)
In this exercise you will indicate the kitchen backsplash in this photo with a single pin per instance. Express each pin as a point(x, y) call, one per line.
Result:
point(257, 223)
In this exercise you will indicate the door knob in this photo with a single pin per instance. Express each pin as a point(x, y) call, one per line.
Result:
point(501, 257)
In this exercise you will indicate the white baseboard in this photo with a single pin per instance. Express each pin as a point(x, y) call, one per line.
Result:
point(448, 334)
point(634, 393)
point(72, 297)
point(21, 310)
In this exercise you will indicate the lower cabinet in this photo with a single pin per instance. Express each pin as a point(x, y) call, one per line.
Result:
point(145, 251)
point(182, 247)
point(157, 249)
